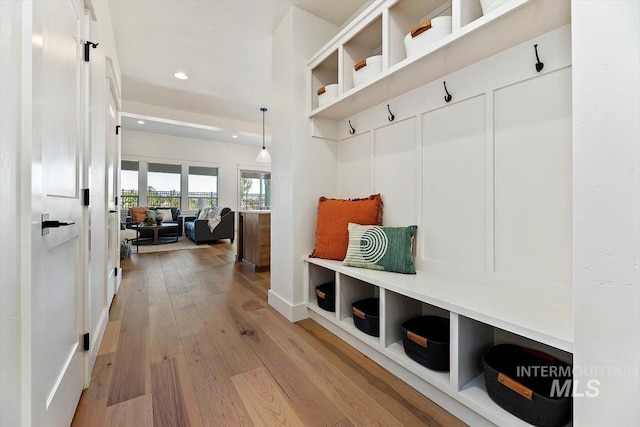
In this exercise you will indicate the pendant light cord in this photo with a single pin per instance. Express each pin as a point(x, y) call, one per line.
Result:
point(263, 109)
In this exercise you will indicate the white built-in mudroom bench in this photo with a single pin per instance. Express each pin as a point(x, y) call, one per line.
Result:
point(483, 166)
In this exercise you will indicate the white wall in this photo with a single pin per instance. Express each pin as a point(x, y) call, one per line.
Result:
point(606, 209)
point(301, 164)
point(228, 158)
point(10, 184)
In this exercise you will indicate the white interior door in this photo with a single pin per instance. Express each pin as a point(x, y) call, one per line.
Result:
point(113, 219)
point(57, 292)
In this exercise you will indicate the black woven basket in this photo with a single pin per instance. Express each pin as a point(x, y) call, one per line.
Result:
point(326, 296)
point(366, 316)
point(528, 384)
point(426, 340)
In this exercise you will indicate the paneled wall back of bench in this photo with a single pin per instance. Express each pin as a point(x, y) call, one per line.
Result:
point(486, 177)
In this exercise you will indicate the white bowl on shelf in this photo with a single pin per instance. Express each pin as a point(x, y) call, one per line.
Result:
point(370, 70)
point(330, 93)
point(440, 28)
point(489, 5)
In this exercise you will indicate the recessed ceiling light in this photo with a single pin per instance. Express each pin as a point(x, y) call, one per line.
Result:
point(181, 76)
point(234, 136)
point(140, 122)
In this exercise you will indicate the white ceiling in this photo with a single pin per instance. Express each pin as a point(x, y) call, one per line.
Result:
point(223, 45)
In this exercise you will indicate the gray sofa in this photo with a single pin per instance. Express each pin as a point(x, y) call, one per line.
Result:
point(175, 212)
point(198, 229)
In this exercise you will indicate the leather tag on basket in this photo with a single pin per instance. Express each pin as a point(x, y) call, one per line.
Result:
point(358, 313)
point(321, 90)
point(360, 64)
point(319, 292)
point(515, 386)
point(421, 341)
point(421, 28)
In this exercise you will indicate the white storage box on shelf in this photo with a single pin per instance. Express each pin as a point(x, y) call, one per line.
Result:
point(327, 93)
point(418, 40)
point(366, 69)
point(489, 5)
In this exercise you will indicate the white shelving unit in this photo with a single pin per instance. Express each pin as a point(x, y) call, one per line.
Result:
point(482, 311)
point(480, 318)
point(474, 37)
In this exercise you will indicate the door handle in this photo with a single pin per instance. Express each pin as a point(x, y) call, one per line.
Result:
point(47, 224)
point(112, 211)
point(56, 224)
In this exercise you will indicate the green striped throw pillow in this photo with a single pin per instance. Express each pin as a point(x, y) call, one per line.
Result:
point(381, 248)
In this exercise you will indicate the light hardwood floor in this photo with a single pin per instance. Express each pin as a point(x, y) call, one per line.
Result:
point(192, 341)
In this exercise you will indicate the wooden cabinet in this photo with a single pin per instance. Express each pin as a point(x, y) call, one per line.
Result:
point(254, 239)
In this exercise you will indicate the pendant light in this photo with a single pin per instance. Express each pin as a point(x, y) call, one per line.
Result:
point(263, 155)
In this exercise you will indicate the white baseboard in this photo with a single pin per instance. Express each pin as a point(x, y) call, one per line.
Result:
point(292, 313)
point(95, 341)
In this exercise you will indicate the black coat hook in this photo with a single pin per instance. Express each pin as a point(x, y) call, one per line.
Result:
point(352, 131)
point(448, 96)
point(391, 117)
point(88, 45)
point(539, 65)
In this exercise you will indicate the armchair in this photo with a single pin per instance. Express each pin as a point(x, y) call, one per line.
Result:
point(198, 229)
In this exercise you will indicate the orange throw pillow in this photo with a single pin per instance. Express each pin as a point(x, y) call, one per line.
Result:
point(138, 214)
point(334, 215)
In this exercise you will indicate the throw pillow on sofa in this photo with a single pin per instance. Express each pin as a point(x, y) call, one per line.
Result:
point(332, 235)
point(167, 215)
point(138, 214)
point(203, 213)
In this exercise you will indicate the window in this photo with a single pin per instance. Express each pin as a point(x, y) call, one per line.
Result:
point(255, 190)
point(203, 187)
point(129, 184)
point(163, 185)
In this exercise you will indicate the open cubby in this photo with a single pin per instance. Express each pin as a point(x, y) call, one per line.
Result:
point(397, 309)
point(404, 16)
point(350, 291)
point(317, 276)
point(325, 73)
point(366, 43)
point(474, 339)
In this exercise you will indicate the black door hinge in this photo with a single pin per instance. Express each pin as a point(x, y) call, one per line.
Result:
point(115, 272)
point(116, 200)
point(86, 341)
point(87, 49)
point(85, 197)
point(118, 130)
